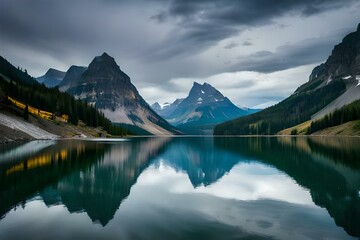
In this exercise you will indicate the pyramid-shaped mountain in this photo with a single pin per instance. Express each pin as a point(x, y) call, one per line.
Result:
point(203, 108)
point(110, 90)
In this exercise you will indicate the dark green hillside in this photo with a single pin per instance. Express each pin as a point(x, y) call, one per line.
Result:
point(295, 109)
point(18, 84)
point(343, 115)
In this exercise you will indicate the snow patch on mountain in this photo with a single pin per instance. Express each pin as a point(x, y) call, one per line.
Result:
point(328, 80)
point(165, 105)
point(118, 115)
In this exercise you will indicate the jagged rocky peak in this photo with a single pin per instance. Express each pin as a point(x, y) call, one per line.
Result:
point(343, 61)
point(205, 93)
point(204, 107)
point(105, 58)
point(103, 69)
point(104, 84)
point(104, 64)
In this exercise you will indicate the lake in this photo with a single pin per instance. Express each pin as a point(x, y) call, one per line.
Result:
point(181, 188)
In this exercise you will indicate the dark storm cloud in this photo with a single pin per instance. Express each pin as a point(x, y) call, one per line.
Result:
point(308, 51)
point(71, 32)
point(143, 36)
point(205, 22)
point(60, 27)
point(45, 24)
point(247, 11)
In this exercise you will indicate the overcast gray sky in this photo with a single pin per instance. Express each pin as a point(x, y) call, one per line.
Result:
point(256, 52)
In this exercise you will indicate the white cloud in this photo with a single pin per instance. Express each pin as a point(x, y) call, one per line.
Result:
point(245, 182)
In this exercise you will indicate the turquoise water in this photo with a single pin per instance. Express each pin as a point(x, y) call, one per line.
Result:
point(181, 188)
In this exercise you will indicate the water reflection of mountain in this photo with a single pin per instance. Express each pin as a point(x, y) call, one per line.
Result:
point(100, 189)
point(326, 167)
point(203, 163)
point(84, 176)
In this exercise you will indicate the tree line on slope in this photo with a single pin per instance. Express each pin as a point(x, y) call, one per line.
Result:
point(18, 84)
point(343, 115)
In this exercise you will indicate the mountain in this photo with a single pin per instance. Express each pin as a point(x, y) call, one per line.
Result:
point(52, 78)
point(201, 110)
point(343, 63)
point(72, 74)
point(110, 90)
point(331, 85)
point(166, 109)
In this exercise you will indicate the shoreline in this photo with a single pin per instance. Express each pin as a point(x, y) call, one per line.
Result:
point(125, 138)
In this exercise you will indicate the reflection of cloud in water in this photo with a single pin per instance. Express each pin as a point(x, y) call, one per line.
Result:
point(246, 181)
point(167, 198)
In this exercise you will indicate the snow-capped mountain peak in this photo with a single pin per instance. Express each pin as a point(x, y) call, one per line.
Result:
point(204, 106)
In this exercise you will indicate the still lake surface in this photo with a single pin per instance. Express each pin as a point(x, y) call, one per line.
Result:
point(181, 188)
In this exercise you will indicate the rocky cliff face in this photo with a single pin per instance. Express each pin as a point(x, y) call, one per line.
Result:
point(344, 60)
point(104, 85)
point(342, 65)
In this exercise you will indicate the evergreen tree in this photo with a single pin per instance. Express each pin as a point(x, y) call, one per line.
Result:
point(26, 113)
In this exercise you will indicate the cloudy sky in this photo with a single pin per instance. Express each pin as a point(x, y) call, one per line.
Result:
point(256, 52)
